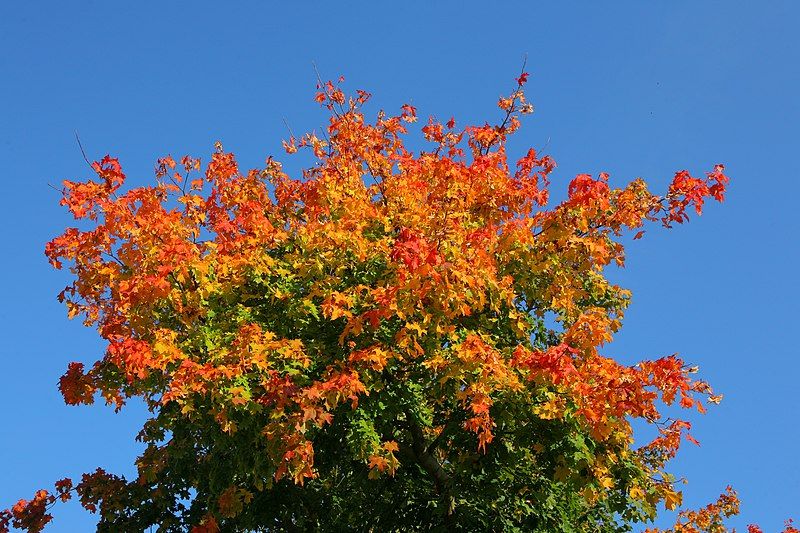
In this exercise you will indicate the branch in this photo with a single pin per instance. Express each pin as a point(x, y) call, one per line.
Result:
point(438, 440)
point(431, 465)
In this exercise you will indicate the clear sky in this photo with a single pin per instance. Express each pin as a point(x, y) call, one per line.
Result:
point(629, 87)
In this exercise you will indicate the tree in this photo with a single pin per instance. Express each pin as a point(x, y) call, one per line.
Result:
point(396, 341)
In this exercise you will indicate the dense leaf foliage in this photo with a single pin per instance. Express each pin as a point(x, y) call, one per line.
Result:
point(395, 341)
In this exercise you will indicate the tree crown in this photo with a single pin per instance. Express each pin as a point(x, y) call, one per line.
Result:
point(396, 340)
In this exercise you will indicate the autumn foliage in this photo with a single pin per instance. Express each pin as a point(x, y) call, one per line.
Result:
point(393, 341)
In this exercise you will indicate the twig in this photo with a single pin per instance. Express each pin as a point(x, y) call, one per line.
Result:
point(83, 153)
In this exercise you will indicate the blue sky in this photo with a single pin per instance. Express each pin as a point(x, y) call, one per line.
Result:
point(628, 87)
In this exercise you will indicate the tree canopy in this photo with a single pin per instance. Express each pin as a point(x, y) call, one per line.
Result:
point(393, 341)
